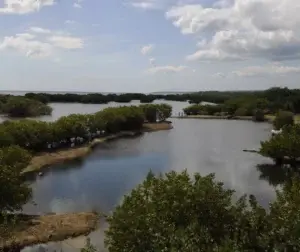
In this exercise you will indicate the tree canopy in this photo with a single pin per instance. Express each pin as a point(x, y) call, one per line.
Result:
point(18, 106)
point(177, 212)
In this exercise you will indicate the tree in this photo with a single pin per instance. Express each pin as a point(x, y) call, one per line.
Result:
point(178, 213)
point(23, 107)
point(283, 146)
point(282, 119)
point(14, 193)
point(258, 115)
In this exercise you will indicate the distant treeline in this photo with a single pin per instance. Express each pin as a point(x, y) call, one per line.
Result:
point(248, 103)
point(288, 99)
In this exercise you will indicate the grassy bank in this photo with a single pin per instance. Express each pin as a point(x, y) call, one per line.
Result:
point(51, 158)
point(31, 230)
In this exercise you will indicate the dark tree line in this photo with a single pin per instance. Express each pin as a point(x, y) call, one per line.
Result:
point(276, 98)
point(19, 106)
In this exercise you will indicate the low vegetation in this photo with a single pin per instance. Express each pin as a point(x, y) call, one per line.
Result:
point(18, 106)
point(283, 147)
point(177, 212)
point(78, 129)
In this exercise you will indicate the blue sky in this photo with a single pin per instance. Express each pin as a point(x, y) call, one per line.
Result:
point(148, 45)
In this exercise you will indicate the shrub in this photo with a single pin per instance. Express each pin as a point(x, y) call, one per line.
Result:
point(282, 119)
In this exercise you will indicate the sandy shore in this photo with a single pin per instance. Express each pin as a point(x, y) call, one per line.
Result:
point(31, 230)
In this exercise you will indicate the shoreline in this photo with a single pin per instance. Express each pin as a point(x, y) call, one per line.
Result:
point(32, 230)
point(268, 118)
point(45, 159)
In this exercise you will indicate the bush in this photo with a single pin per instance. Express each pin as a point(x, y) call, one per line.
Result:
point(284, 145)
point(259, 115)
point(23, 107)
point(241, 112)
point(177, 212)
point(282, 119)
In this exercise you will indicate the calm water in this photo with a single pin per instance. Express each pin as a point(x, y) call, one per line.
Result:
point(99, 181)
point(64, 109)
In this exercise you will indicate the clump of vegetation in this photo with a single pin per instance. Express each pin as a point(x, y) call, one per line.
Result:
point(24, 107)
point(14, 192)
point(177, 212)
point(198, 109)
point(283, 118)
point(38, 135)
point(283, 146)
point(259, 115)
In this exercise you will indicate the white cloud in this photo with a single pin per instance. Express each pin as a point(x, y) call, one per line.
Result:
point(70, 22)
point(267, 70)
point(39, 30)
point(37, 45)
point(66, 42)
point(147, 49)
point(24, 43)
point(165, 69)
point(152, 61)
point(24, 6)
point(242, 29)
point(77, 5)
point(156, 4)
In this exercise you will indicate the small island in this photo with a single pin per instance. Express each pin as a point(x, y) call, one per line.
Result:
point(18, 106)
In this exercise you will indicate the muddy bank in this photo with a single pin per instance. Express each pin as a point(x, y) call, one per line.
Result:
point(31, 230)
point(51, 158)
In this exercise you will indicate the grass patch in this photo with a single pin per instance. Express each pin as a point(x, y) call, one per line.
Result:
point(31, 230)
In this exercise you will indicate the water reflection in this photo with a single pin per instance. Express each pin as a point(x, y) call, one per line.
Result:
point(100, 181)
point(277, 174)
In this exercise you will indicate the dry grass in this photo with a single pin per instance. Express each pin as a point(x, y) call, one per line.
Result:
point(32, 230)
point(148, 127)
point(50, 158)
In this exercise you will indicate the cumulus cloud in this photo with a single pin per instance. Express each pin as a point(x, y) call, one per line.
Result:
point(267, 70)
point(147, 49)
point(66, 42)
point(39, 30)
point(25, 44)
point(165, 69)
point(24, 6)
point(242, 29)
point(41, 43)
point(78, 4)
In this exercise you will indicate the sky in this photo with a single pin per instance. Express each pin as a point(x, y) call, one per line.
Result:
point(149, 45)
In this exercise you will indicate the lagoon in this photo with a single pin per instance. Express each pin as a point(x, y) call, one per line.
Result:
point(99, 181)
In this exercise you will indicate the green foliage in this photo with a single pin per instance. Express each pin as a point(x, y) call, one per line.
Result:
point(284, 145)
point(37, 135)
point(14, 156)
point(24, 107)
point(282, 119)
point(180, 213)
point(152, 112)
point(198, 109)
point(14, 192)
point(259, 115)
